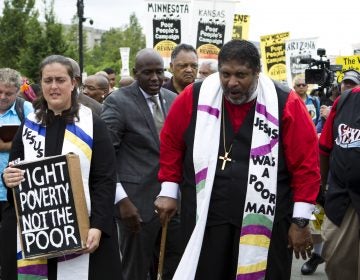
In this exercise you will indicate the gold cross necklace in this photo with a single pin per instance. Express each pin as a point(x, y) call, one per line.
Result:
point(225, 158)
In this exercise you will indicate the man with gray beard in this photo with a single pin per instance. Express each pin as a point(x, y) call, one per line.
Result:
point(231, 143)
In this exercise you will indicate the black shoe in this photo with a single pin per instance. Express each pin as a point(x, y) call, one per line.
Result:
point(310, 266)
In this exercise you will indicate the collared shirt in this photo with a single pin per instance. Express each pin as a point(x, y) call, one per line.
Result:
point(148, 100)
point(10, 117)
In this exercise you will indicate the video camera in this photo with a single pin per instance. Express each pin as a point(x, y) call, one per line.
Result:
point(320, 71)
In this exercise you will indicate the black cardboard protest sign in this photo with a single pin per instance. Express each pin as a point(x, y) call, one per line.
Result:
point(51, 207)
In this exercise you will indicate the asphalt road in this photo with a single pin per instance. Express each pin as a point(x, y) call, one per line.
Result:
point(295, 272)
point(319, 274)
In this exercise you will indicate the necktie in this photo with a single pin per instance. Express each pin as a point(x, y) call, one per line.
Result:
point(157, 113)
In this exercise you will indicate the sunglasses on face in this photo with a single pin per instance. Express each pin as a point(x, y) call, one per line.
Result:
point(301, 85)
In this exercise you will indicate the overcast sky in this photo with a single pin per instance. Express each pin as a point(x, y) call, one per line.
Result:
point(335, 23)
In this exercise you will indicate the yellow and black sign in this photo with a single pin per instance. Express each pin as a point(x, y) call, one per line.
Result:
point(347, 63)
point(210, 39)
point(241, 27)
point(167, 34)
point(273, 55)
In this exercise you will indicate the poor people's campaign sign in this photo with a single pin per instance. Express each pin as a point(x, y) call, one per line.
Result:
point(50, 206)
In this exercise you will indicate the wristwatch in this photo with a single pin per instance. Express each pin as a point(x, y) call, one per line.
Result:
point(300, 222)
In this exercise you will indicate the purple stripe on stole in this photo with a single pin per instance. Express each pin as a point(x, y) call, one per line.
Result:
point(261, 109)
point(36, 269)
point(252, 276)
point(201, 175)
point(211, 110)
point(265, 149)
point(256, 230)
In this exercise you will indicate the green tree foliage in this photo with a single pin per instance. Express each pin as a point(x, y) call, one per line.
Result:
point(24, 41)
point(54, 34)
point(72, 39)
point(107, 53)
point(13, 28)
point(134, 38)
point(31, 55)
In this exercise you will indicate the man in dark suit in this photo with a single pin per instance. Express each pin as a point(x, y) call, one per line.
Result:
point(133, 121)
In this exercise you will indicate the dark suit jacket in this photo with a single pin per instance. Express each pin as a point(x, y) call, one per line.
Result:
point(89, 102)
point(136, 142)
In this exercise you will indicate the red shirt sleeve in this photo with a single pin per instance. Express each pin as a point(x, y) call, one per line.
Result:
point(326, 141)
point(301, 150)
point(172, 146)
point(299, 139)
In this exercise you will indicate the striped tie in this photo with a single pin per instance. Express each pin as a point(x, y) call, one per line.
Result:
point(157, 113)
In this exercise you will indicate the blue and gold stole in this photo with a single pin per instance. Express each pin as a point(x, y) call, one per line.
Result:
point(78, 139)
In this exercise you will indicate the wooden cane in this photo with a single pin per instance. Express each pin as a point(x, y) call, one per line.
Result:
point(162, 250)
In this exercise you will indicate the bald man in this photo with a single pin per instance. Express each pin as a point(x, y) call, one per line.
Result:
point(126, 81)
point(132, 116)
point(96, 87)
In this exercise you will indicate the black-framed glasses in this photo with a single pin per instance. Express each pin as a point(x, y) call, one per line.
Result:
point(301, 85)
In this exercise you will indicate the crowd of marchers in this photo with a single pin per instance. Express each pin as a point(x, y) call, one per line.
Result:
point(181, 175)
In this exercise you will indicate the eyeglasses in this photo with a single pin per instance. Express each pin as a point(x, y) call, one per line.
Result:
point(301, 85)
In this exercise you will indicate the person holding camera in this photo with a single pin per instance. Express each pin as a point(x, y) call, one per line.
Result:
point(326, 102)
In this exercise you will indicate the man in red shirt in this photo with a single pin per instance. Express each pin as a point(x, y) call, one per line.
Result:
point(241, 148)
point(339, 158)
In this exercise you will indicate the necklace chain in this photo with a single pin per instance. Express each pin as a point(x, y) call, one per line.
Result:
point(223, 129)
point(225, 158)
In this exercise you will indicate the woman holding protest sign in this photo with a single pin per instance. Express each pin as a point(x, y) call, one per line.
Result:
point(60, 125)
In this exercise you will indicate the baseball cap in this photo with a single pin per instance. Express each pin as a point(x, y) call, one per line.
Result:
point(352, 75)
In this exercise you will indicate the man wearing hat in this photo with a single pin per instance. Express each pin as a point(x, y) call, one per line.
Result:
point(350, 80)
